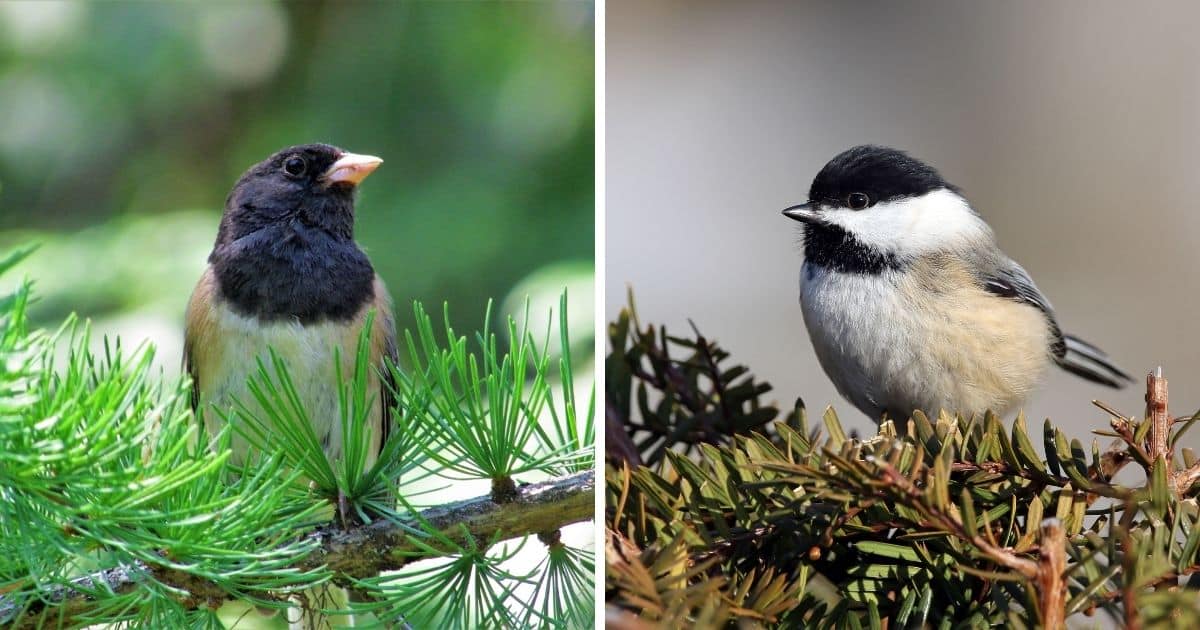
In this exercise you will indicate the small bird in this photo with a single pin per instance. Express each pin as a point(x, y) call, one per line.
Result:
point(909, 302)
point(285, 273)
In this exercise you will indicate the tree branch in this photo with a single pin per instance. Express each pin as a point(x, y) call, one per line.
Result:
point(360, 552)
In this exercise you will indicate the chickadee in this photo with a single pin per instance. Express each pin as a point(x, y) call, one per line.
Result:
point(909, 302)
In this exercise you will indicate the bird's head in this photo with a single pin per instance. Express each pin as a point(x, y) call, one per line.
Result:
point(312, 184)
point(888, 202)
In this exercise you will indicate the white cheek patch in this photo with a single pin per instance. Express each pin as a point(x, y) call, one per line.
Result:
point(915, 225)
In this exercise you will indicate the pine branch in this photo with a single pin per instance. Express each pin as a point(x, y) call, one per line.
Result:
point(703, 400)
point(949, 520)
point(358, 553)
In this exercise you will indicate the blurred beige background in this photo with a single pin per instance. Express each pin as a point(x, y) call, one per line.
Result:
point(1073, 127)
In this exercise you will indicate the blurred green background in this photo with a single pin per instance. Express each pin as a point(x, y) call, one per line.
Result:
point(124, 125)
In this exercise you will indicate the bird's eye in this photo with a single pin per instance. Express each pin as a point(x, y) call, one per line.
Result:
point(294, 166)
point(857, 200)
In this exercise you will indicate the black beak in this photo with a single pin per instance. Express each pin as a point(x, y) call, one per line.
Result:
point(805, 213)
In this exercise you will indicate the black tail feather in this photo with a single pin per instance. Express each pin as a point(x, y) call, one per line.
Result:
point(1086, 360)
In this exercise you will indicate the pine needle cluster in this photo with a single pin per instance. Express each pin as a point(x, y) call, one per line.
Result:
point(771, 520)
point(116, 506)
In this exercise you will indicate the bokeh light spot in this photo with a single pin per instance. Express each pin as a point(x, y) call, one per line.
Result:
point(537, 109)
point(37, 118)
point(243, 44)
point(37, 25)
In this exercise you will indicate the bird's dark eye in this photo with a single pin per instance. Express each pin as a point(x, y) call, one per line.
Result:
point(857, 200)
point(294, 166)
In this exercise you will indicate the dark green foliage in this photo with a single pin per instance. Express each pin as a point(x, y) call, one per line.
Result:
point(672, 391)
point(934, 522)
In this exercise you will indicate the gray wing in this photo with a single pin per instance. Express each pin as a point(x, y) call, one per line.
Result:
point(1009, 280)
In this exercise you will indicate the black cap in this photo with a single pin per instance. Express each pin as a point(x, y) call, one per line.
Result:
point(882, 173)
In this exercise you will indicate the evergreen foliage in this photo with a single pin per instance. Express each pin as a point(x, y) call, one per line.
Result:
point(745, 518)
point(117, 507)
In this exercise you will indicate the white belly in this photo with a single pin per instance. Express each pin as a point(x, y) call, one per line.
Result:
point(888, 344)
point(308, 352)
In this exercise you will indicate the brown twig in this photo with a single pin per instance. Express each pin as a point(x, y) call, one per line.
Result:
point(1161, 421)
point(1051, 571)
point(1184, 479)
point(1128, 568)
point(1003, 556)
point(1158, 417)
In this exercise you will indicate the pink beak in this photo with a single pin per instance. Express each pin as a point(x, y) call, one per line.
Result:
point(352, 168)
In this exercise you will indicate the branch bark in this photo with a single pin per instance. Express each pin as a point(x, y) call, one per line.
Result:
point(1158, 416)
point(1161, 421)
point(1051, 574)
point(360, 552)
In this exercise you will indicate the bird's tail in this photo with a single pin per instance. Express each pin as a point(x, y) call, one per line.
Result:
point(1085, 360)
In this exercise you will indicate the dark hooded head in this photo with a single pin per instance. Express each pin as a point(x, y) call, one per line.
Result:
point(310, 184)
point(285, 247)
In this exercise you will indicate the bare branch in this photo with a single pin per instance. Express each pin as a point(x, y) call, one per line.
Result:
point(1051, 574)
point(1158, 416)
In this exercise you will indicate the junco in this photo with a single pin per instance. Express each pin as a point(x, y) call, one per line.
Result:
point(285, 273)
point(909, 302)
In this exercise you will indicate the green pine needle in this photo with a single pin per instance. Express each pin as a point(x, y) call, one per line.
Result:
point(103, 466)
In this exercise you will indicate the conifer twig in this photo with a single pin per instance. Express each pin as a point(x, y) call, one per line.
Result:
point(1051, 574)
point(954, 521)
point(1185, 478)
point(1161, 421)
point(360, 552)
point(1158, 416)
